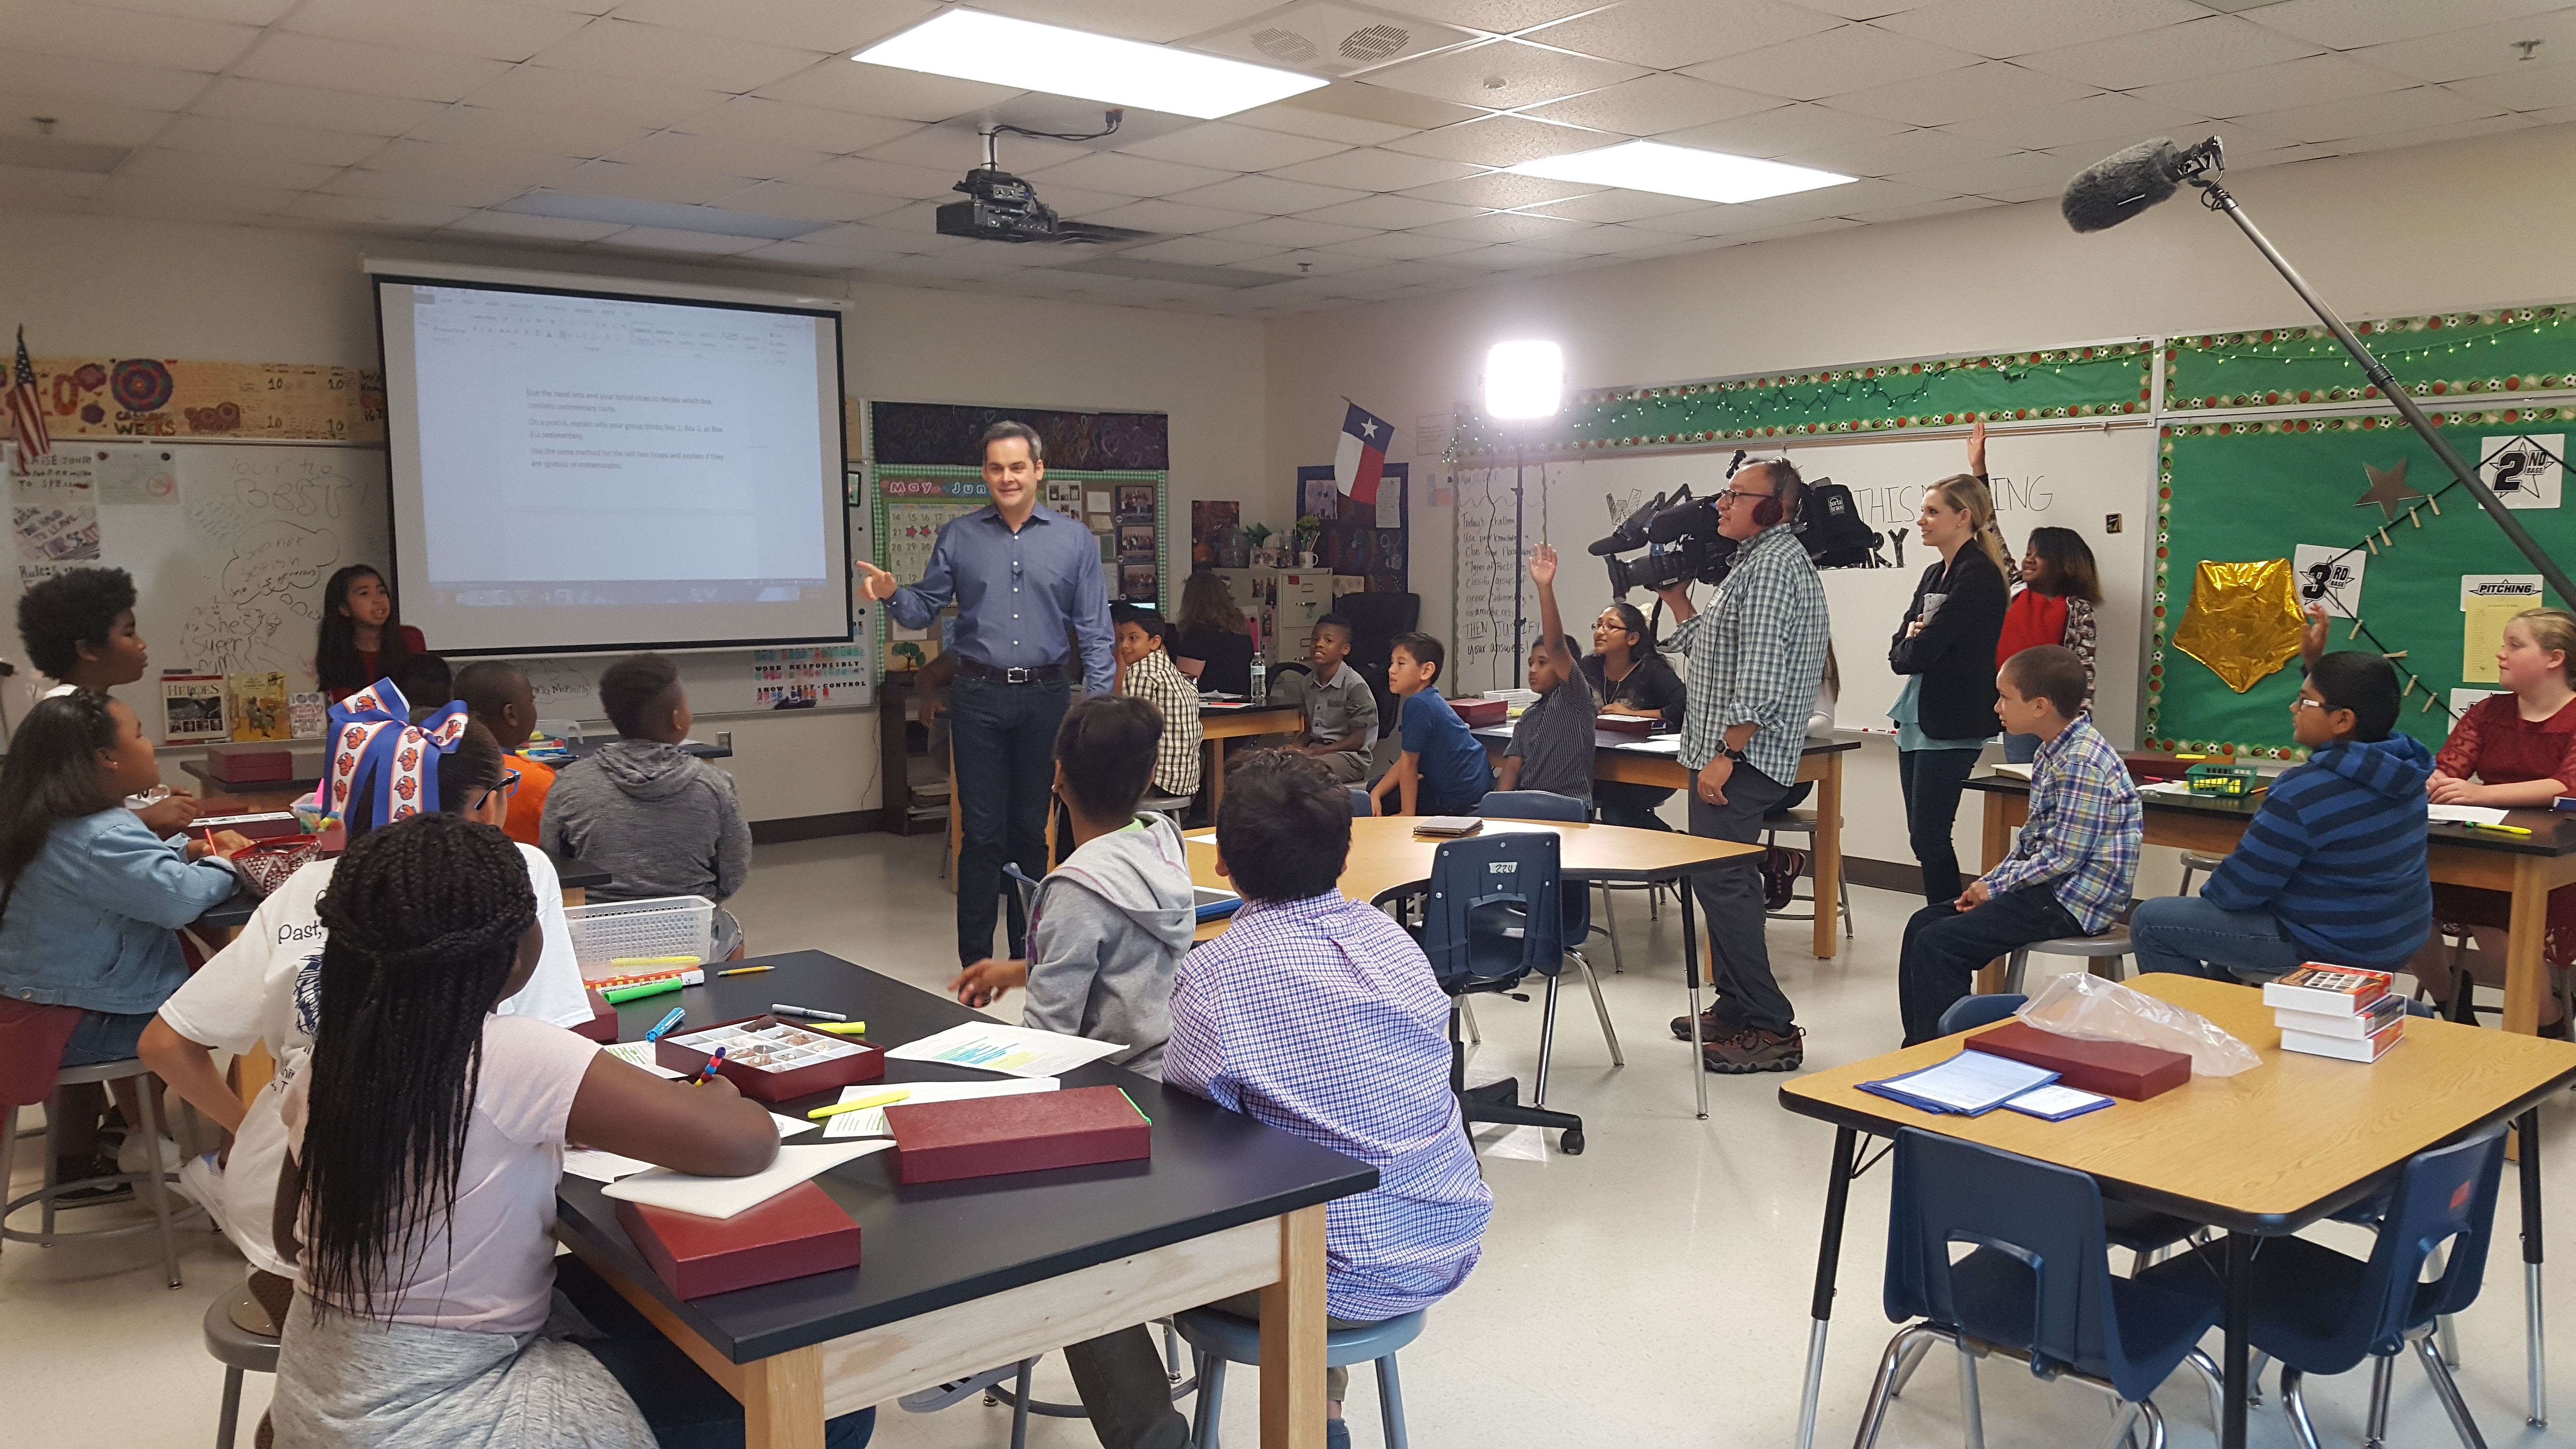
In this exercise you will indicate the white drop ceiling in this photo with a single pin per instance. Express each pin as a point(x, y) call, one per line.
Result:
point(651, 127)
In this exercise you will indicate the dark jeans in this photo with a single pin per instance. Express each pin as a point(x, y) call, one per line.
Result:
point(1632, 805)
point(1931, 780)
point(1005, 736)
point(2192, 937)
point(1944, 946)
point(1739, 967)
point(687, 1409)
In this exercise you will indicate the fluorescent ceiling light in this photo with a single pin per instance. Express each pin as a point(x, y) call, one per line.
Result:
point(1680, 171)
point(1524, 380)
point(1022, 54)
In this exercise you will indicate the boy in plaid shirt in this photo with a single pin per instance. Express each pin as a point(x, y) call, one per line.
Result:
point(1146, 672)
point(2068, 875)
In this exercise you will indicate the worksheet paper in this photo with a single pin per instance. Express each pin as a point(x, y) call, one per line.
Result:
point(2464, 814)
point(600, 1166)
point(638, 1054)
point(1016, 1051)
point(871, 1122)
point(723, 1197)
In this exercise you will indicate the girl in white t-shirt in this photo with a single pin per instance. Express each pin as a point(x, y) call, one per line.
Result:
point(425, 1139)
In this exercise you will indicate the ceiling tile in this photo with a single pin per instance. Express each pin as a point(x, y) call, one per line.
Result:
point(2406, 110)
point(959, 149)
point(374, 211)
point(1502, 226)
point(1847, 58)
point(1995, 174)
point(155, 164)
point(1853, 197)
point(278, 143)
point(307, 106)
point(1403, 245)
point(1234, 148)
point(1512, 257)
point(1616, 240)
point(1172, 216)
point(240, 12)
point(1360, 101)
point(505, 164)
point(587, 93)
point(668, 239)
point(1501, 189)
point(783, 123)
point(451, 27)
point(810, 203)
point(873, 236)
point(1608, 206)
point(1904, 151)
point(1499, 16)
point(2211, 45)
point(381, 70)
point(1924, 209)
point(820, 25)
point(213, 199)
point(424, 187)
point(1502, 141)
point(1412, 274)
point(2486, 50)
point(1075, 203)
point(25, 73)
point(691, 185)
point(1503, 74)
point(1294, 231)
point(127, 37)
point(1670, 34)
point(1371, 169)
point(1158, 21)
point(2346, 24)
point(2313, 81)
point(675, 57)
point(82, 121)
point(1800, 128)
point(1718, 220)
point(757, 160)
point(805, 256)
point(879, 178)
point(877, 90)
point(1200, 251)
point(1322, 126)
point(1392, 213)
point(1653, 104)
point(521, 130)
point(1268, 195)
point(1985, 89)
point(1804, 228)
point(1125, 175)
point(2524, 88)
point(2106, 117)
point(2017, 27)
point(1312, 263)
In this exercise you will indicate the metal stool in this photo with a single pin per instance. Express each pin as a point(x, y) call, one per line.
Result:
point(1802, 821)
point(1222, 1338)
point(2195, 863)
point(1172, 806)
point(1022, 1403)
point(2112, 945)
point(153, 1182)
point(242, 1337)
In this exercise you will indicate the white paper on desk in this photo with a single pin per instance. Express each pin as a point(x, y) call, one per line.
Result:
point(1016, 1051)
point(2465, 814)
point(790, 1126)
point(1657, 744)
point(2165, 787)
point(2013, 771)
point(1204, 837)
point(638, 1054)
point(871, 1122)
point(601, 1166)
point(722, 1197)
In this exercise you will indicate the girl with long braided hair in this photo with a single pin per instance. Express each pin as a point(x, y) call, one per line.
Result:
point(426, 1138)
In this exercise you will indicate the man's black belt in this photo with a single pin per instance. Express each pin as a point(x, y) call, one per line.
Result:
point(978, 669)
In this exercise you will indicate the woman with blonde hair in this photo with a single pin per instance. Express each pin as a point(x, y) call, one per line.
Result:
point(1945, 648)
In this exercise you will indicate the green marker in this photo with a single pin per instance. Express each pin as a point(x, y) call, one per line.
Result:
point(619, 996)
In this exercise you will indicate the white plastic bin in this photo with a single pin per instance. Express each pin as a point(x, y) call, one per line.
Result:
point(662, 926)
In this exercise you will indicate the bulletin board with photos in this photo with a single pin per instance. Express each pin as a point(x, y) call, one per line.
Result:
point(1366, 540)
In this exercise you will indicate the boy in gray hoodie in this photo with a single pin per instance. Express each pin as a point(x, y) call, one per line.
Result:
point(660, 821)
point(1110, 925)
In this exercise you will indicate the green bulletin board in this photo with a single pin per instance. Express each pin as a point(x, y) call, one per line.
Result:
point(2248, 490)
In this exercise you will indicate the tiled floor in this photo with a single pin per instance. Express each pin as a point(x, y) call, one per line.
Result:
point(1650, 1292)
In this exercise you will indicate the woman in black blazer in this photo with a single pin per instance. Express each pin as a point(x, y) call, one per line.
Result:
point(1946, 648)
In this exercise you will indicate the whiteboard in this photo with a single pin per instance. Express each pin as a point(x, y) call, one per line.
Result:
point(230, 545)
point(2066, 478)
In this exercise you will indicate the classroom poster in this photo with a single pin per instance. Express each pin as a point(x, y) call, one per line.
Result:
point(192, 709)
point(2523, 468)
point(259, 706)
point(2329, 575)
point(54, 508)
point(2488, 602)
point(151, 397)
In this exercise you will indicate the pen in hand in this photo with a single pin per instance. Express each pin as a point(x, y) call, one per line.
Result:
point(708, 1075)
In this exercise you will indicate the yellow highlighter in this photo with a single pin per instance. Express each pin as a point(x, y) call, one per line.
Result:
point(837, 1028)
point(872, 1099)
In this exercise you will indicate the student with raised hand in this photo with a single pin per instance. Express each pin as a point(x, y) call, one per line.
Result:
point(1551, 746)
point(1443, 770)
point(418, 1192)
point(2332, 866)
point(362, 637)
point(78, 628)
point(659, 820)
point(1945, 648)
point(1629, 676)
point(260, 990)
point(2060, 589)
point(501, 700)
point(89, 897)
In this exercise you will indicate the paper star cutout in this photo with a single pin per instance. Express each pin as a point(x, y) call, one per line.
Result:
point(2387, 489)
point(1368, 430)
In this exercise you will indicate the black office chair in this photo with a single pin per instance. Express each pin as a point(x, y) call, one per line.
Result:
point(1493, 916)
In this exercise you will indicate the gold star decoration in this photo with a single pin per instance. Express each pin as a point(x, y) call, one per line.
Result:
point(2243, 620)
point(2387, 489)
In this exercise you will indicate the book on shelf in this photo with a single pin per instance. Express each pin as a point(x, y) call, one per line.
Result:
point(2327, 990)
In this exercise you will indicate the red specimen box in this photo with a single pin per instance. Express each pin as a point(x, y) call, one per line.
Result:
point(862, 1063)
point(602, 1026)
point(796, 1234)
point(988, 1136)
point(1479, 713)
point(2114, 1068)
point(1627, 724)
point(249, 764)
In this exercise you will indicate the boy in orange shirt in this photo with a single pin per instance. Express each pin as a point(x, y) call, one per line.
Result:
point(498, 695)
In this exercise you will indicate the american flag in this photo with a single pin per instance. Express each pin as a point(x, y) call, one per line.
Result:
point(26, 409)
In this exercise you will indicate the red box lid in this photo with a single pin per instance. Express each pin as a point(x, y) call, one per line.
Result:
point(1479, 713)
point(250, 761)
point(1627, 724)
point(763, 1084)
point(2115, 1068)
point(796, 1234)
point(602, 1026)
point(982, 1137)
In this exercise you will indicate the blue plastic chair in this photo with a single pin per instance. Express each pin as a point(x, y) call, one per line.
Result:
point(1223, 1338)
point(1494, 916)
point(1970, 1012)
point(1577, 920)
point(1361, 806)
point(2036, 1283)
point(2322, 1312)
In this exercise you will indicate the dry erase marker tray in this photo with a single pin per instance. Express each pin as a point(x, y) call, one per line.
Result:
point(772, 1060)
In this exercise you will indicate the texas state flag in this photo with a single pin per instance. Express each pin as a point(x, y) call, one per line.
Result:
point(1362, 454)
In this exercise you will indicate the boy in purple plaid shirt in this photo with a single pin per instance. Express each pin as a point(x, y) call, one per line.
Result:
point(2068, 875)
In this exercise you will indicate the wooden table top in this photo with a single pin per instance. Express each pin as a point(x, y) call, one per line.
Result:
point(2269, 1150)
point(1236, 723)
point(2553, 832)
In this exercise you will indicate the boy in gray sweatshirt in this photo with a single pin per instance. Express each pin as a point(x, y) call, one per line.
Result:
point(1111, 924)
point(659, 820)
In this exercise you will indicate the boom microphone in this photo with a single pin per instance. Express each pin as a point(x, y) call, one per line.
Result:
point(2121, 185)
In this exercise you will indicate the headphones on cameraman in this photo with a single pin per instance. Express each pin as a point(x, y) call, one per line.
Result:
point(1768, 511)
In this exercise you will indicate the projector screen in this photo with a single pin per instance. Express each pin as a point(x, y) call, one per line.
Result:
point(577, 471)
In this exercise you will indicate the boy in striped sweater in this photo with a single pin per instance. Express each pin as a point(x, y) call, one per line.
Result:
point(2332, 867)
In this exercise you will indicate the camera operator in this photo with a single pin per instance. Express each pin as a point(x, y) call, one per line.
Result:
point(1755, 659)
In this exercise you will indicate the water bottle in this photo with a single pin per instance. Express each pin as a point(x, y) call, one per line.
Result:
point(1260, 680)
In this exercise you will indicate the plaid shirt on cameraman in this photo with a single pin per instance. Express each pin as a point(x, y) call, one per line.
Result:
point(1176, 758)
point(2084, 830)
point(1757, 653)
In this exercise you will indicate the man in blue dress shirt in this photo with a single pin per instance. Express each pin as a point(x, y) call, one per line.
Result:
point(1032, 621)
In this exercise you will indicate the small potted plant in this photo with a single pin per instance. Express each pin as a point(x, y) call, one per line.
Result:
point(1265, 554)
point(1309, 528)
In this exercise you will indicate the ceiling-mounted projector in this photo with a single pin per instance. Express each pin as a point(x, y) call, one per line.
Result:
point(1002, 207)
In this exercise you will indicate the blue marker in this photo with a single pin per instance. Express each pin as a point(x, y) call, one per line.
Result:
point(664, 1025)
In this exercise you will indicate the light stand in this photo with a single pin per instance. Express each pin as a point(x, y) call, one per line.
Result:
point(1520, 462)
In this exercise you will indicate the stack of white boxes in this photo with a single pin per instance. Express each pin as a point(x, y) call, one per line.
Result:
point(2337, 1011)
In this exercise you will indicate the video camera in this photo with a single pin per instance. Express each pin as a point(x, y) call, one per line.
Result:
point(1679, 534)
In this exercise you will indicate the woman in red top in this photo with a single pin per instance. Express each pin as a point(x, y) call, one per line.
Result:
point(2515, 750)
point(2059, 588)
point(362, 638)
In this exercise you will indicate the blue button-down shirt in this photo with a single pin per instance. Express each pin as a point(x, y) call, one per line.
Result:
point(1017, 593)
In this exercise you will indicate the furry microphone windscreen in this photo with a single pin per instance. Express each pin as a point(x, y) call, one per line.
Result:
point(2120, 186)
